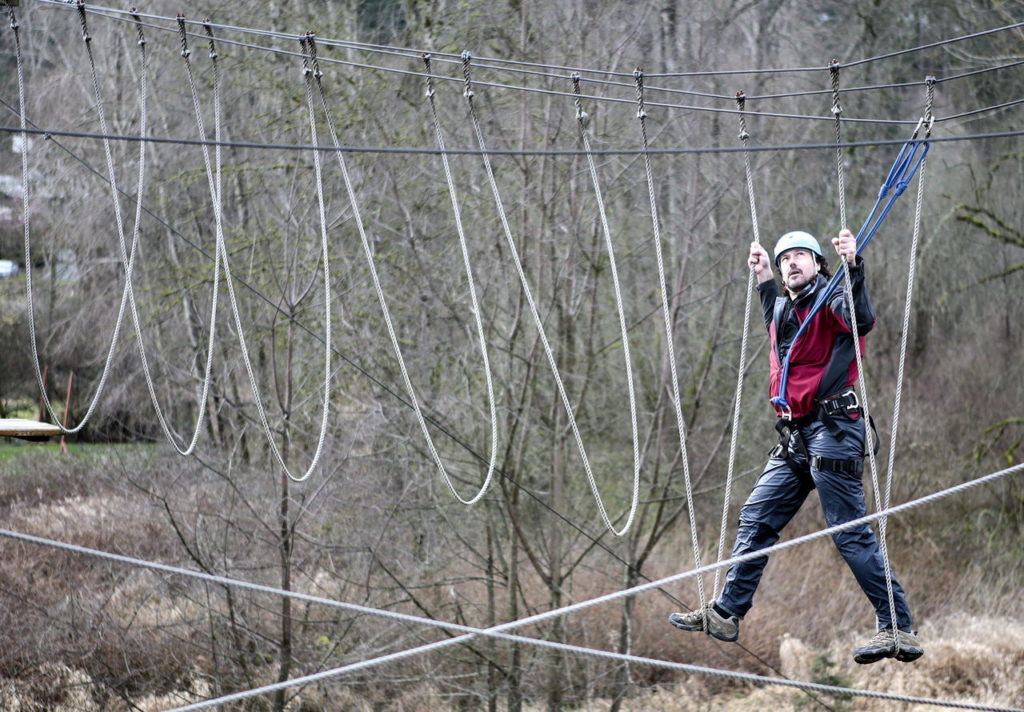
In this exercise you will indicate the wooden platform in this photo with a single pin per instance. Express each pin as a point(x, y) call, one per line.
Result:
point(27, 429)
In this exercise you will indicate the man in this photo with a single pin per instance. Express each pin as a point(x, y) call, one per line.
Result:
point(822, 443)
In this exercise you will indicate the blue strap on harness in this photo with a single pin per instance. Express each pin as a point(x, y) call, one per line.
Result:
point(909, 159)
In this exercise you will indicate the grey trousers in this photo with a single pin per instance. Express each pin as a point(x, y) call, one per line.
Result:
point(778, 495)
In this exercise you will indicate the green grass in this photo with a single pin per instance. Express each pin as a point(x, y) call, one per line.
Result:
point(14, 449)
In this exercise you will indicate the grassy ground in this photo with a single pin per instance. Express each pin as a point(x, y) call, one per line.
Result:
point(13, 451)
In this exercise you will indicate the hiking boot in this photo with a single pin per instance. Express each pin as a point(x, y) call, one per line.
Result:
point(725, 628)
point(882, 646)
point(910, 649)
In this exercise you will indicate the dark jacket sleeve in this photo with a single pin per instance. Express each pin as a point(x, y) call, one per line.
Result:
point(768, 291)
point(865, 312)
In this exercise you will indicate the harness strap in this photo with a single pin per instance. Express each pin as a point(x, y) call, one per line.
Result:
point(846, 467)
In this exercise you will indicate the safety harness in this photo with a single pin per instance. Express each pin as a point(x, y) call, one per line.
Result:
point(793, 450)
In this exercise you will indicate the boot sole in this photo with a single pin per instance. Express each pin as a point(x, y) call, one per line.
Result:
point(700, 629)
point(872, 657)
point(908, 656)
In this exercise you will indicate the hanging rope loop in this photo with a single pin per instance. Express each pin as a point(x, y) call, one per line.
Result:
point(185, 51)
point(466, 59)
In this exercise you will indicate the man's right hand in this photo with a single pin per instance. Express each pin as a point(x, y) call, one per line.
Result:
point(759, 262)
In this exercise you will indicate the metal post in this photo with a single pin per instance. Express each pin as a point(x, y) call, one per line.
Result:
point(67, 410)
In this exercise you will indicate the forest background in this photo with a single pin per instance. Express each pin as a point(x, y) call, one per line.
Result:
point(374, 524)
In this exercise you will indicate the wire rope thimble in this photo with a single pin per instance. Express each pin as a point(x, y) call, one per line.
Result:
point(638, 79)
point(81, 18)
point(428, 78)
point(313, 57)
point(210, 38)
point(581, 116)
point(185, 51)
point(833, 71)
point(304, 45)
point(929, 118)
point(134, 12)
point(466, 59)
point(741, 104)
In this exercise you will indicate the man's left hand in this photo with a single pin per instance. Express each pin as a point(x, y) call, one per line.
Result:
point(846, 246)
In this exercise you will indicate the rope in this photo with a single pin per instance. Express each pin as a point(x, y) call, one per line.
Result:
point(596, 541)
point(540, 617)
point(670, 349)
point(116, 333)
point(744, 137)
point(454, 58)
point(433, 150)
point(869, 444)
point(499, 631)
point(542, 334)
point(911, 270)
point(215, 193)
point(204, 390)
point(385, 311)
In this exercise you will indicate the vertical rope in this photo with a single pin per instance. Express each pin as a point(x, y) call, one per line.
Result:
point(869, 444)
point(744, 137)
point(677, 404)
point(928, 121)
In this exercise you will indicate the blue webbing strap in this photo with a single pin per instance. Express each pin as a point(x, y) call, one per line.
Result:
point(908, 160)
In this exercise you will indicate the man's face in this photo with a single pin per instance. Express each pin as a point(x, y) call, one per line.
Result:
point(798, 267)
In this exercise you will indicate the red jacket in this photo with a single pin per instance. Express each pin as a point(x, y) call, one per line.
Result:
point(823, 362)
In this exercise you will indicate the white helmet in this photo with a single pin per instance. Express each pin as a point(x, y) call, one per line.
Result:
point(794, 240)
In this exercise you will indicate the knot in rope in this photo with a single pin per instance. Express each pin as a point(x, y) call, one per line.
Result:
point(466, 59)
point(134, 12)
point(185, 51)
point(81, 18)
point(426, 77)
point(638, 77)
point(209, 36)
point(14, 19)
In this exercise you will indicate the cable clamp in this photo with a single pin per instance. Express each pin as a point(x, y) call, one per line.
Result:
point(743, 135)
point(185, 51)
